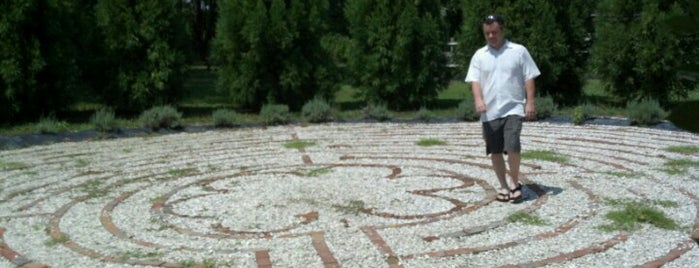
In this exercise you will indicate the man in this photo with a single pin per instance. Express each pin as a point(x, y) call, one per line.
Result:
point(502, 80)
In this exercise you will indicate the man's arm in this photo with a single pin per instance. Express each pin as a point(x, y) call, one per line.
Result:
point(530, 107)
point(478, 97)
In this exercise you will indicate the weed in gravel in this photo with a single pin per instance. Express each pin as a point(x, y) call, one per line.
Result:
point(138, 254)
point(526, 218)
point(354, 207)
point(79, 163)
point(430, 142)
point(177, 173)
point(62, 238)
point(688, 150)
point(679, 166)
point(621, 174)
point(546, 155)
point(94, 189)
point(633, 212)
point(299, 144)
point(317, 172)
point(6, 166)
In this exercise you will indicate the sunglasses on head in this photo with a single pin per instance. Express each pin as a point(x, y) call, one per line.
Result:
point(494, 18)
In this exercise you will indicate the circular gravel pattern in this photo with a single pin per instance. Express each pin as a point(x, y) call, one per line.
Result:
point(346, 195)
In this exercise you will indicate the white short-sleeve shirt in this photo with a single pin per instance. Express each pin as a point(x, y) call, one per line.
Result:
point(501, 74)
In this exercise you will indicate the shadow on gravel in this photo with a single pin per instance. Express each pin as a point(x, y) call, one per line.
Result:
point(22, 141)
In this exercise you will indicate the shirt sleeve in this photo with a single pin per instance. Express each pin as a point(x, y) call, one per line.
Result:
point(529, 68)
point(474, 72)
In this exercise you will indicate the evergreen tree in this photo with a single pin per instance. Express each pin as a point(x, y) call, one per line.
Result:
point(42, 57)
point(635, 54)
point(270, 51)
point(146, 44)
point(396, 51)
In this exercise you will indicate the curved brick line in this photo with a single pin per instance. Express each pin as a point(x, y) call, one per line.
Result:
point(464, 211)
point(675, 253)
point(391, 258)
point(607, 142)
point(541, 199)
point(603, 148)
point(561, 258)
point(561, 229)
point(318, 242)
point(14, 257)
point(262, 259)
point(56, 233)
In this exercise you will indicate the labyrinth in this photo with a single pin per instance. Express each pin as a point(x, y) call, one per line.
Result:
point(352, 195)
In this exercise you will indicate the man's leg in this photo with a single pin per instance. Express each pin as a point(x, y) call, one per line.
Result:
point(499, 168)
point(513, 160)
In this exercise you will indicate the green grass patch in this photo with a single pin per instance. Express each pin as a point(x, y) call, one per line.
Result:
point(94, 189)
point(138, 254)
point(679, 166)
point(526, 218)
point(622, 174)
point(688, 150)
point(545, 155)
point(353, 207)
point(633, 213)
point(57, 240)
point(300, 144)
point(13, 165)
point(177, 173)
point(430, 142)
point(318, 171)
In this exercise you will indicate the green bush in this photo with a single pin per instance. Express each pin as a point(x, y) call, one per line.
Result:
point(646, 112)
point(582, 113)
point(224, 117)
point(161, 117)
point(103, 120)
point(467, 111)
point(317, 110)
point(275, 114)
point(425, 114)
point(545, 107)
point(377, 112)
point(49, 125)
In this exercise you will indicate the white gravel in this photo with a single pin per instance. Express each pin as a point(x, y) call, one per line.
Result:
point(226, 198)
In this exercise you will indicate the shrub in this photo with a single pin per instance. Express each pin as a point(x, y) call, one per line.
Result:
point(224, 117)
point(467, 111)
point(161, 117)
point(646, 112)
point(274, 114)
point(49, 125)
point(317, 110)
point(377, 112)
point(545, 107)
point(425, 114)
point(582, 113)
point(104, 120)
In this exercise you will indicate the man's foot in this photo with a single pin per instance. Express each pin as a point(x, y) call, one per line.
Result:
point(516, 194)
point(503, 195)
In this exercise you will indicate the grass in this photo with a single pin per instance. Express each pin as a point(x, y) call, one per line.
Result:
point(633, 213)
point(430, 142)
point(545, 155)
point(527, 218)
point(12, 165)
point(688, 150)
point(354, 207)
point(299, 144)
point(57, 240)
point(679, 166)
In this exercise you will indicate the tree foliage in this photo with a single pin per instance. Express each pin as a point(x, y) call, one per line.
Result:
point(396, 51)
point(41, 56)
point(635, 53)
point(554, 33)
point(270, 51)
point(145, 43)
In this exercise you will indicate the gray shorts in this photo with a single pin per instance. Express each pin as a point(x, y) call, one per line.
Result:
point(502, 135)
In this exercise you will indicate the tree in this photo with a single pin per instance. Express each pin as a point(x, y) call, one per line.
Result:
point(202, 24)
point(270, 51)
point(42, 56)
point(146, 44)
point(396, 51)
point(541, 26)
point(635, 54)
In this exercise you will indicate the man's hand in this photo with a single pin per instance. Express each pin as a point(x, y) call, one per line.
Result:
point(480, 106)
point(530, 110)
